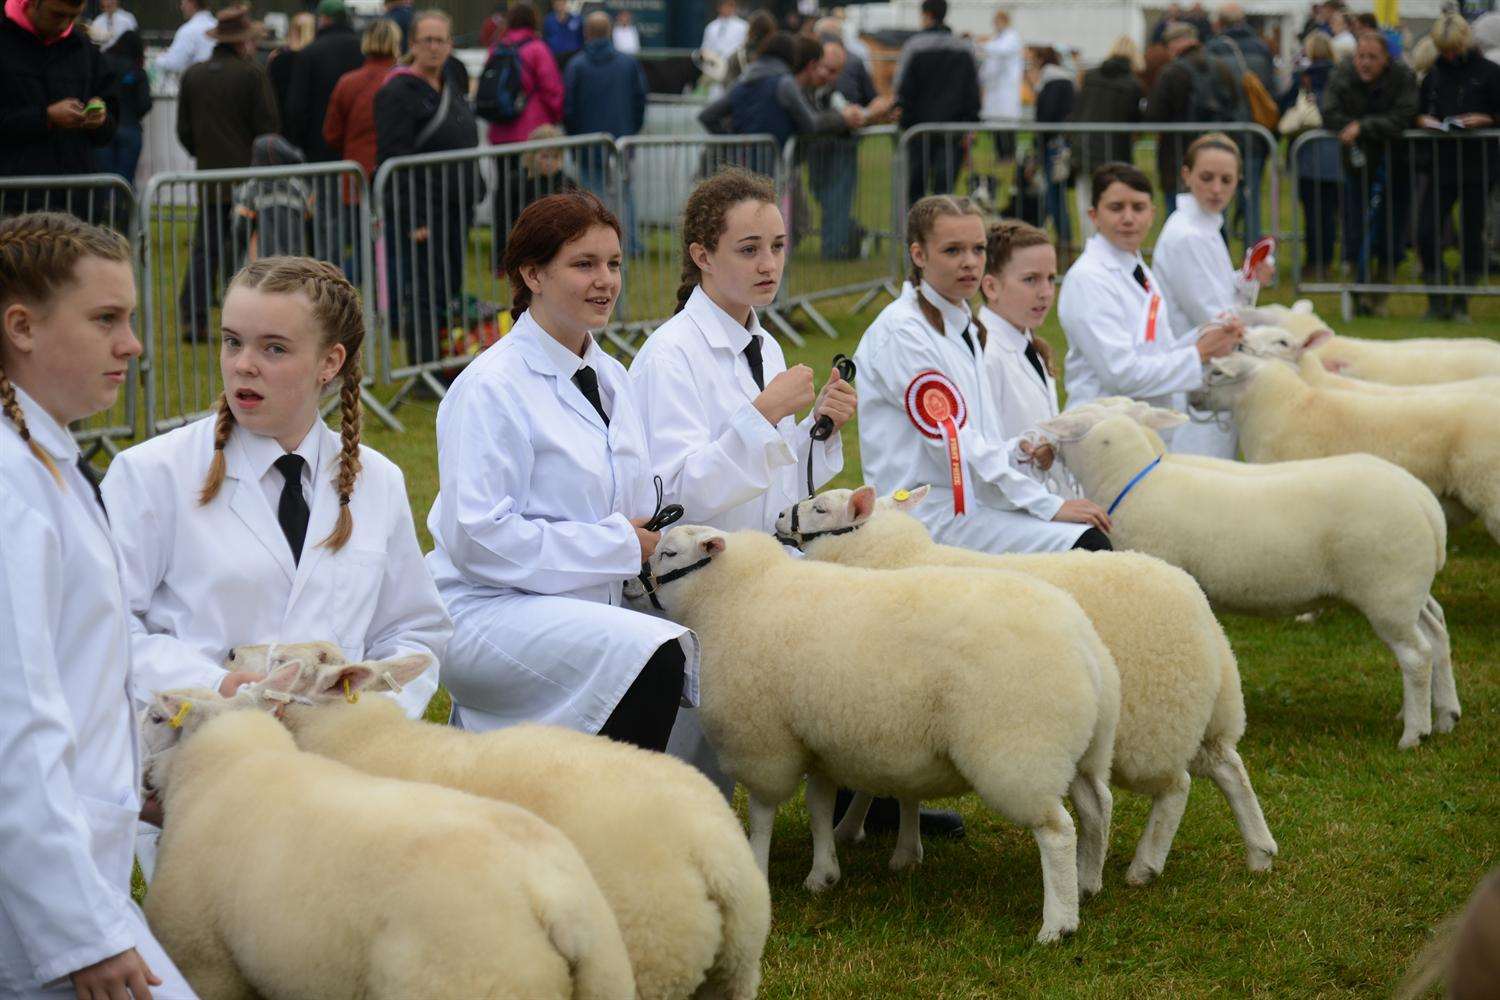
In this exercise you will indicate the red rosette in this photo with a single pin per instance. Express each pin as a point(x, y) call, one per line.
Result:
point(937, 410)
point(1257, 255)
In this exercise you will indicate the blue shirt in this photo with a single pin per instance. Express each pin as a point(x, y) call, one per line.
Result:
point(563, 36)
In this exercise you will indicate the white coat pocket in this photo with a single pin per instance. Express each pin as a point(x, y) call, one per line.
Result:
point(111, 838)
point(355, 594)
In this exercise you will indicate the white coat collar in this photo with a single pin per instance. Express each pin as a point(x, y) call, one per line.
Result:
point(719, 328)
point(1112, 256)
point(262, 452)
point(1002, 333)
point(956, 318)
point(51, 435)
point(545, 356)
point(563, 362)
point(248, 501)
point(1195, 214)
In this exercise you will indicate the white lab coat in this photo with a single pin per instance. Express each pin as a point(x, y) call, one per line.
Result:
point(725, 35)
point(202, 579)
point(1005, 509)
point(533, 540)
point(1000, 72)
point(1022, 399)
point(70, 778)
point(1201, 283)
point(1114, 348)
point(190, 45)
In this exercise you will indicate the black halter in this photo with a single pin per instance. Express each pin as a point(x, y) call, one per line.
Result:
point(664, 517)
point(651, 582)
point(797, 539)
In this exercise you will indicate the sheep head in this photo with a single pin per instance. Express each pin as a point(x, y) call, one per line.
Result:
point(325, 683)
point(1272, 341)
point(831, 510)
point(1110, 446)
point(265, 657)
point(1225, 381)
point(682, 551)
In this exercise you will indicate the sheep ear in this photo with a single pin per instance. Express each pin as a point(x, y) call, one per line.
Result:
point(861, 504)
point(284, 678)
point(1159, 420)
point(342, 680)
point(399, 671)
point(1304, 306)
point(907, 499)
point(1070, 425)
point(1317, 338)
point(712, 545)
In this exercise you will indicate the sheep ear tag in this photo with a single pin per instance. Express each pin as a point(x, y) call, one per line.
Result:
point(177, 720)
point(936, 408)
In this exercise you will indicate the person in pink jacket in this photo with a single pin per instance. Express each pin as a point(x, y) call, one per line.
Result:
point(540, 79)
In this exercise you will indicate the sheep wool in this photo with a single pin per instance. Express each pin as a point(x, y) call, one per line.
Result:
point(285, 875)
point(668, 853)
point(1181, 708)
point(1286, 538)
point(993, 681)
point(1275, 342)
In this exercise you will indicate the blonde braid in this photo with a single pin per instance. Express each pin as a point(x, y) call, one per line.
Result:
point(13, 412)
point(223, 427)
point(351, 415)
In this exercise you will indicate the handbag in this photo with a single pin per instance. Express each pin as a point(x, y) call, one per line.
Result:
point(1302, 116)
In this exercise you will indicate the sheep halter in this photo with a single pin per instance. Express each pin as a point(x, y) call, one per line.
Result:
point(1131, 485)
point(937, 410)
point(797, 538)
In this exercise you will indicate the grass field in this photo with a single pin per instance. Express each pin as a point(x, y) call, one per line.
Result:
point(1376, 845)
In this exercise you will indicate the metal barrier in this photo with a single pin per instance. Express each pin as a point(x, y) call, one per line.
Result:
point(1365, 207)
point(845, 221)
point(1040, 165)
point(103, 199)
point(441, 222)
point(189, 254)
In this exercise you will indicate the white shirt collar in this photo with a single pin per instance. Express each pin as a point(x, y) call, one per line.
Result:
point(565, 361)
point(1112, 255)
point(718, 326)
point(1195, 213)
point(51, 435)
point(956, 318)
point(1001, 332)
point(262, 452)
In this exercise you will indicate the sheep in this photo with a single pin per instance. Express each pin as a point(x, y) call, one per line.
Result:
point(1447, 441)
point(1414, 361)
point(667, 851)
point(285, 875)
point(265, 657)
point(1274, 342)
point(1282, 539)
point(1181, 709)
point(990, 681)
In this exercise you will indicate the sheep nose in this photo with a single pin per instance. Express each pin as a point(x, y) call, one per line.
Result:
point(231, 654)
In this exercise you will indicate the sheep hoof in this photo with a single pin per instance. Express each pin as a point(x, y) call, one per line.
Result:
point(843, 836)
point(1258, 859)
point(1410, 740)
point(821, 881)
point(1087, 891)
point(902, 860)
point(1051, 935)
point(1139, 874)
point(1444, 721)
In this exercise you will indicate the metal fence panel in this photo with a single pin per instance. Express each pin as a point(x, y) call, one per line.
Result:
point(106, 200)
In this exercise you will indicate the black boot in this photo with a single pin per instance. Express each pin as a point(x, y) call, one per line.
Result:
point(885, 817)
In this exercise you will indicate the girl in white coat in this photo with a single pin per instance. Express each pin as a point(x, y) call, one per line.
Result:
point(71, 774)
point(716, 396)
point(545, 490)
point(1018, 287)
point(259, 524)
point(926, 413)
point(1200, 282)
point(1121, 341)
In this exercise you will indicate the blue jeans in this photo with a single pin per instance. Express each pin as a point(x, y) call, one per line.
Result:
point(1057, 198)
point(833, 172)
point(595, 175)
point(122, 154)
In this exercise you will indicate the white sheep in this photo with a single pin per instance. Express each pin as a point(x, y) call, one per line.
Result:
point(1181, 709)
point(1413, 361)
point(666, 850)
point(1282, 539)
point(1275, 342)
point(991, 681)
point(285, 875)
point(1447, 441)
point(266, 657)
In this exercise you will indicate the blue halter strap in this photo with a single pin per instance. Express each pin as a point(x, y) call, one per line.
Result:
point(1131, 485)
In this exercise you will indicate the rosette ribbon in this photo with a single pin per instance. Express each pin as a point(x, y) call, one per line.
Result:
point(937, 410)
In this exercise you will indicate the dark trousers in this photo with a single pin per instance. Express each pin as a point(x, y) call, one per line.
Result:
point(932, 166)
point(1320, 219)
point(645, 714)
point(1377, 204)
point(426, 279)
point(1093, 540)
point(213, 262)
point(1437, 201)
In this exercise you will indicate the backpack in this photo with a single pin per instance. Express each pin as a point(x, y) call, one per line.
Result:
point(1262, 108)
point(499, 97)
point(1205, 101)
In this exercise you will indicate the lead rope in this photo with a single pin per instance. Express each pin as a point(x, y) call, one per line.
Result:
point(822, 428)
point(662, 518)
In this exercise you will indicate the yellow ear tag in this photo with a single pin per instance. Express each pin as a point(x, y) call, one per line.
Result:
point(901, 496)
point(349, 695)
point(176, 721)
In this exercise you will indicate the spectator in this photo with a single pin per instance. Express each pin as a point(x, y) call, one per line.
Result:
point(1055, 95)
point(1343, 36)
point(725, 35)
point(936, 80)
point(191, 44)
point(400, 12)
point(1111, 92)
point(1000, 74)
point(111, 23)
point(1317, 166)
point(1170, 16)
point(1370, 100)
point(1240, 48)
point(833, 159)
point(626, 36)
point(282, 63)
point(1191, 88)
point(222, 105)
point(540, 80)
point(604, 91)
point(493, 26)
point(541, 173)
point(49, 74)
point(1461, 92)
point(1317, 21)
point(271, 213)
point(562, 30)
point(335, 51)
point(420, 109)
point(127, 61)
point(762, 26)
point(349, 126)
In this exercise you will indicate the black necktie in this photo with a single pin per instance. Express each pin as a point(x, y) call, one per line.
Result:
point(1036, 361)
point(1140, 277)
point(757, 366)
point(588, 383)
point(969, 342)
point(292, 510)
point(87, 472)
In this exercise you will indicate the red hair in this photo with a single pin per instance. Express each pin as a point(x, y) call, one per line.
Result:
point(544, 228)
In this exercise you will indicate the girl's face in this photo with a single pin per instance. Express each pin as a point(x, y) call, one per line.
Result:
point(274, 363)
point(744, 270)
point(1023, 291)
point(1212, 178)
point(73, 355)
point(952, 256)
point(1124, 216)
point(576, 291)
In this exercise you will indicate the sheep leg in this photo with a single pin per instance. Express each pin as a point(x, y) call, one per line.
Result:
point(1058, 842)
point(1094, 804)
point(908, 852)
point(1415, 657)
point(762, 822)
point(1221, 763)
point(825, 868)
point(1446, 709)
point(851, 829)
point(1161, 827)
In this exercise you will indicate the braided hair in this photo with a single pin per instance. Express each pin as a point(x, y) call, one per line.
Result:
point(920, 221)
point(706, 213)
point(337, 310)
point(39, 253)
point(1002, 240)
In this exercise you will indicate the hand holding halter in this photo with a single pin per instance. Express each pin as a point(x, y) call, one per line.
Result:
point(665, 517)
point(822, 428)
